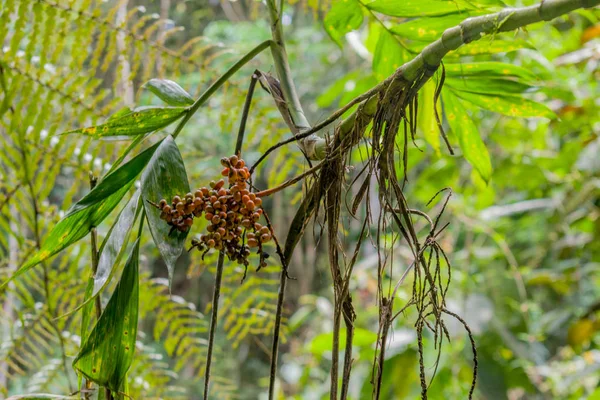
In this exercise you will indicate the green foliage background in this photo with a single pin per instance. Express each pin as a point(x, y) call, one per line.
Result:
point(525, 215)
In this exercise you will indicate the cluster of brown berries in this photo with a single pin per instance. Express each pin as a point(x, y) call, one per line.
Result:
point(233, 214)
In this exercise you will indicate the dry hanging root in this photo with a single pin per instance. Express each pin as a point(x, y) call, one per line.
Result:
point(233, 214)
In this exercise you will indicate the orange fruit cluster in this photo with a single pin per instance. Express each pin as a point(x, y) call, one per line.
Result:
point(233, 213)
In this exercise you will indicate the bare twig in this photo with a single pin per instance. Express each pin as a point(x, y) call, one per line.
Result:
point(290, 182)
point(279, 311)
point(213, 321)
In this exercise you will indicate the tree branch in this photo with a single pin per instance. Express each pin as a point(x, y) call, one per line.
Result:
point(424, 65)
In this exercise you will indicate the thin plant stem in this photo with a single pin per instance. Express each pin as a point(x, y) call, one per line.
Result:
point(278, 313)
point(245, 112)
point(213, 321)
point(276, 332)
point(282, 67)
point(289, 182)
point(318, 127)
point(219, 82)
point(300, 124)
point(221, 261)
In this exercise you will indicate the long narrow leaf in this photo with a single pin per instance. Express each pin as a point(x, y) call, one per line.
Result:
point(111, 252)
point(41, 396)
point(466, 131)
point(115, 243)
point(299, 223)
point(488, 69)
point(142, 120)
point(511, 105)
point(418, 8)
point(107, 354)
point(488, 86)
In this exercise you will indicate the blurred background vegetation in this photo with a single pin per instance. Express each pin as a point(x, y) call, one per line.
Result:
point(525, 247)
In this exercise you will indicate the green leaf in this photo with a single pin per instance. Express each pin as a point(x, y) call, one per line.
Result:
point(418, 8)
point(389, 55)
point(121, 113)
point(464, 128)
point(511, 105)
point(299, 222)
point(90, 211)
point(169, 92)
point(164, 178)
point(343, 17)
point(88, 306)
point(41, 396)
point(404, 364)
point(428, 29)
point(426, 119)
point(107, 354)
point(115, 243)
point(489, 69)
point(139, 121)
point(111, 252)
point(322, 343)
point(487, 86)
point(337, 88)
point(492, 47)
point(122, 176)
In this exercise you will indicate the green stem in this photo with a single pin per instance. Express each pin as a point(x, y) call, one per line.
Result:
point(282, 67)
point(245, 111)
point(219, 82)
point(469, 30)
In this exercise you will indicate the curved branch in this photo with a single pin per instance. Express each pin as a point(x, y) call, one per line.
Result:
point(420, 69)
